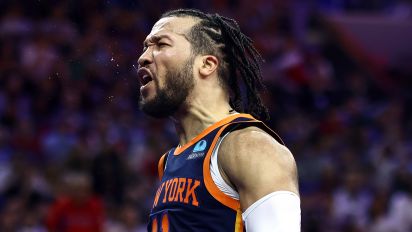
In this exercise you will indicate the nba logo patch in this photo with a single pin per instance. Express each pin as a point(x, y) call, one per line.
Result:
point(200, 146)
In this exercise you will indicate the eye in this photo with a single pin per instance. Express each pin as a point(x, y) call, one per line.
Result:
point(162, 44)
point(145, 46)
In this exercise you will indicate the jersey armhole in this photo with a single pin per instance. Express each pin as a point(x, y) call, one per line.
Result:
point(211, 186)
point(162, 165)
point(215, 172)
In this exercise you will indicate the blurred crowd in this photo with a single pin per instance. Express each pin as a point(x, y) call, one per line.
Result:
point(76, 154)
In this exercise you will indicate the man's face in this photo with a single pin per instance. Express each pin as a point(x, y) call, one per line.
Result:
point(166, 67)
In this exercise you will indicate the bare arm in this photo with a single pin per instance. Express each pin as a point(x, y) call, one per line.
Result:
point(255, 164)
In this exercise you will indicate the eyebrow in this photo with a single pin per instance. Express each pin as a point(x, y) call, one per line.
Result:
point(155, 38)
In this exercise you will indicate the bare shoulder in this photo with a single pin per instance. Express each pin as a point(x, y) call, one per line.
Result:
point(256, 164)
point(252, 144)
point(253, 137)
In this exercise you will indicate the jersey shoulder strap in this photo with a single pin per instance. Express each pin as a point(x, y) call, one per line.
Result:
point(238, 125)
point(162, 164)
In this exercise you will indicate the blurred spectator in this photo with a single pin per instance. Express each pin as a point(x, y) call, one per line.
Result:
point(32, 223)
point(351, 202)
point(76, 210)
point(109, 176)
point(127, 219)
point(11, 213)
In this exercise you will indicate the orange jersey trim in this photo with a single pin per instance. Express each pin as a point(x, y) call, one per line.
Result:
point(239, 221)
point(165, 223)
point(154, 225)
point(179, 150)
point(210, 184)
point(161, 166)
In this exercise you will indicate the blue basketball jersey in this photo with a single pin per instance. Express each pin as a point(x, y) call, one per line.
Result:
point(187, 198)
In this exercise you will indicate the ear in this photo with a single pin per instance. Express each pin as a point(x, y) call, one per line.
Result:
point(209, 65)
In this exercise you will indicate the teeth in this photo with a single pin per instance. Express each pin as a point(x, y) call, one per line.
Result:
point(146, 79)
point(144, 76)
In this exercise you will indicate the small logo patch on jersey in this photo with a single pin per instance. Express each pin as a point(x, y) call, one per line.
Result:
point(200, 146)
point(195, 155)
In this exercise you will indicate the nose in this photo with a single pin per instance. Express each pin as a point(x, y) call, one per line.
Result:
point(146, 58)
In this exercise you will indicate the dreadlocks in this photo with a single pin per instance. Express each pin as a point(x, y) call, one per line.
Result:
point(239, 60)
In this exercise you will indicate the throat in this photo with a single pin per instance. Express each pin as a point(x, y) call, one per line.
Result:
point(188, 129)
point(197, 122)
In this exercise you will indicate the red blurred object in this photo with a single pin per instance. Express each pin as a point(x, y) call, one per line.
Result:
point(67, 215)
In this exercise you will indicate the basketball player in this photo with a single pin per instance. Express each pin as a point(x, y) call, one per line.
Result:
point(229, 172)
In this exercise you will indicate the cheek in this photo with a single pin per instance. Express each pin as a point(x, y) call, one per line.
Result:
point(171, 58)
point(168, 57)
point(168, 60)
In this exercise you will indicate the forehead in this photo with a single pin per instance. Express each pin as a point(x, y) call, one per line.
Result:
point(172, 25)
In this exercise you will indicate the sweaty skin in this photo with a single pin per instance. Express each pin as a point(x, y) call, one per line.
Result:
point(165, 47)
point(207, 102)
point(253, 162)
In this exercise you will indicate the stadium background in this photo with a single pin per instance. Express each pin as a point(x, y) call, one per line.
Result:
point(339, 79)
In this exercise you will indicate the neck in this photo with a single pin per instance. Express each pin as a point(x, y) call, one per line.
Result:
point(197, 118)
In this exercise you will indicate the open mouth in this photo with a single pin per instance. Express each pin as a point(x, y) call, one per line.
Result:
point(144, 76)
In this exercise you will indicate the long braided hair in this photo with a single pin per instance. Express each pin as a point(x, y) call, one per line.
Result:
point(239, 60)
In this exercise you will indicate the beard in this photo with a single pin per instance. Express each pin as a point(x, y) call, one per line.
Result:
point(168, 100)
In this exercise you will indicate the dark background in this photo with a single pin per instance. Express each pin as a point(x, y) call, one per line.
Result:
point(338, 76)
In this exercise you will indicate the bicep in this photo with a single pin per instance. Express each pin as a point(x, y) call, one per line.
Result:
point(257, 165)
